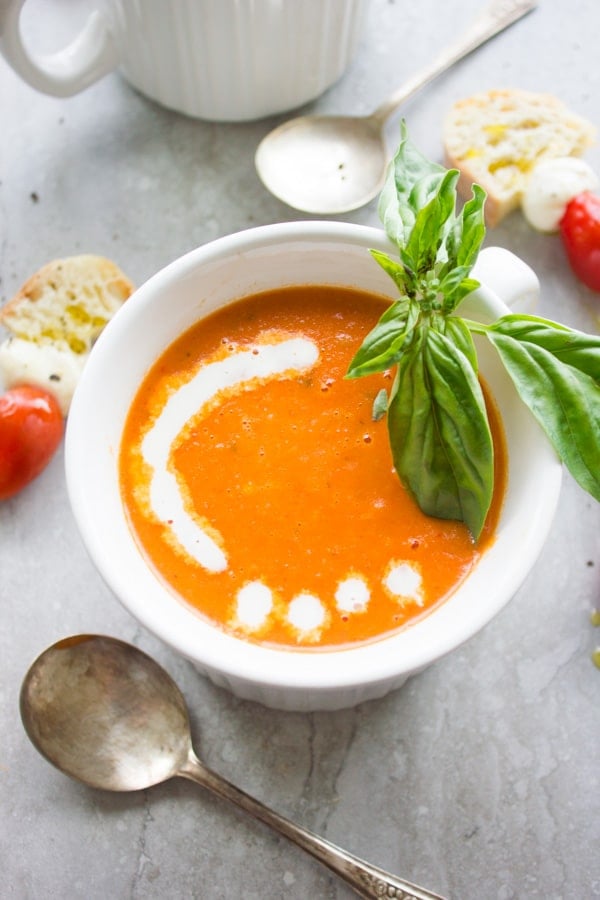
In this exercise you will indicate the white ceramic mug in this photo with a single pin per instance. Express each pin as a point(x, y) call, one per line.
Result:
point(222, 60)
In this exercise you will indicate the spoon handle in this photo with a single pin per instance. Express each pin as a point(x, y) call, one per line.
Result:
point(365, 879)
point(495, 18)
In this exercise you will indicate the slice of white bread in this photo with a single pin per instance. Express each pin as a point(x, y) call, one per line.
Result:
point(495, 138)
point(54, 319)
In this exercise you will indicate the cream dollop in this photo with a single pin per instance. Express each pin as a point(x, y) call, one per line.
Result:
point(551, 186)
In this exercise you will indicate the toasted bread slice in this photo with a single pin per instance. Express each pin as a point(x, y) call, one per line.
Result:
point(67, 302)
point(54, 319)
point(497, 137)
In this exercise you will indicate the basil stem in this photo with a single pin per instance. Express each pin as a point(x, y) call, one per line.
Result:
point(437, 421)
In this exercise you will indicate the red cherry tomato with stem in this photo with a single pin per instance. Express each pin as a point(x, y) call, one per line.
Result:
point(31, 428)
point(580, 231)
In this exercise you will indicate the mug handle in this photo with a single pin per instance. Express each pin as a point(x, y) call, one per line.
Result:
point(90, 56)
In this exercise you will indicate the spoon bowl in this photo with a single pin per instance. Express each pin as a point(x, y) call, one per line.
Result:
point(328, 165)
point(338, 162)
point(106, 714)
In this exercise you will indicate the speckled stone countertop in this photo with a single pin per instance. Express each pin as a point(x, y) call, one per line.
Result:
point(480, 777)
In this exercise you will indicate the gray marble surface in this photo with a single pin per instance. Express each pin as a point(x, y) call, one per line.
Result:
point(480, 777)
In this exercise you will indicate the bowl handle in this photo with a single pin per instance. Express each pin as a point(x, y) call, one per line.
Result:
point(515, 283)
point(92, 54)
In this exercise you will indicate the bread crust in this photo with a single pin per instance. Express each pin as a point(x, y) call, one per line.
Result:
point(67, 302)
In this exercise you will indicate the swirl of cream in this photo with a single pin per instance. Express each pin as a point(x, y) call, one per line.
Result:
point(287, 359)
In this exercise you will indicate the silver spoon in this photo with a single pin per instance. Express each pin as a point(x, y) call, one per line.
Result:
point(106, 714)
point(332, 164)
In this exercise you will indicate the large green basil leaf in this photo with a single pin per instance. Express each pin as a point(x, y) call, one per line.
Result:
point(457, 331)
point(563, 398)
point(400, 275)
point(384, 344)
point(573, 348)
point(398, 205)
point(434, 218)
point(439, 432)
point(463, 242)
point(471, 230)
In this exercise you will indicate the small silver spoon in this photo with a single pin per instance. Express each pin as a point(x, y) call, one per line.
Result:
point(332, 164)
point(106, 714)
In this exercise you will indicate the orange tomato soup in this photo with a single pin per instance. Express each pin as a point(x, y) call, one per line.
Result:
point(262, 491)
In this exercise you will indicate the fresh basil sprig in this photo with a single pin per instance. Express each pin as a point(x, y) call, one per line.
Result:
point(437, 420)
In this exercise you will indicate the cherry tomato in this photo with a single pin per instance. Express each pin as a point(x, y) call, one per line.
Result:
point(31, 428)
point(580, 231)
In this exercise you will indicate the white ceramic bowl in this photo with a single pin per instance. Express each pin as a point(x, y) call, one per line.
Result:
point(171, 301)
